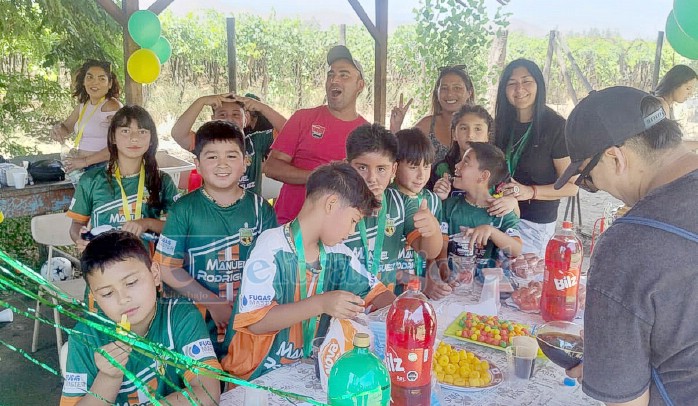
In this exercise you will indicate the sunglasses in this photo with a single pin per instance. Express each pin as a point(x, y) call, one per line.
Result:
point(584, 180)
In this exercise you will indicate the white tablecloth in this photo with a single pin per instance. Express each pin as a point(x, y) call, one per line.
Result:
point(545, 388)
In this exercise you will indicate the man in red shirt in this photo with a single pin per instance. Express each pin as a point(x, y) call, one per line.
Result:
point(316, 136)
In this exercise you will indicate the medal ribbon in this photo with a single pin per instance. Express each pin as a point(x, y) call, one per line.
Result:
point(514, 152)
point(309, 325)
point(418, 262)
point(139, 194)
point(82, 113)
point(373, 266)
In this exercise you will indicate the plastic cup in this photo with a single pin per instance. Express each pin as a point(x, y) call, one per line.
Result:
point(6, 316)
point(256, 397)
point(521, 361)
point(20, 179)
point(464, 271)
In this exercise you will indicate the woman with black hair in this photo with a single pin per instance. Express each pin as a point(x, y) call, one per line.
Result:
point(532, 136)
point(97, 92)
point(675, 87)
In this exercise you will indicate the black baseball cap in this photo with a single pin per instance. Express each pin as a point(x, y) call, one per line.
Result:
point(341, 52)
point(603, 119)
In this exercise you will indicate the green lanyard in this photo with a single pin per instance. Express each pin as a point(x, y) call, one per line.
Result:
point(373, 267)
point(514, 151)
point(309, 325)
point(418, 262)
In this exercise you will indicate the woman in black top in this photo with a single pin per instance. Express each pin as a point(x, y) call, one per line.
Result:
point(532, 137)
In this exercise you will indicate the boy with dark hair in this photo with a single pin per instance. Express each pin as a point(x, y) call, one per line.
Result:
point(483, 166)
point(383, 238)
point(414, 159)
point(209, 233)
point(233, 109)
point(120, 275)
point(300, 271)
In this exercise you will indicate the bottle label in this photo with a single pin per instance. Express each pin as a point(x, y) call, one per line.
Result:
point(409, 367)
point(569, 281)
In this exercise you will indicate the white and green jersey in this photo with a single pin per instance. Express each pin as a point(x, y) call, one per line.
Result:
point(435, 207)
point(458, 212)
point(212, 242)
point(271, 278)
point(177, 325)
point(257, 147)
point(396, 255)
point(98, 200)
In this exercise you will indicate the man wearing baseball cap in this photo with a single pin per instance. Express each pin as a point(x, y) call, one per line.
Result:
point(316, 136)
point(641, 327)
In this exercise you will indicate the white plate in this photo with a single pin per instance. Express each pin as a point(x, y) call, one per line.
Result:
point(494, 371)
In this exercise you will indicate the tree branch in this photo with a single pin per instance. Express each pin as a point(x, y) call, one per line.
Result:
point(159, 6)
point(113, 10)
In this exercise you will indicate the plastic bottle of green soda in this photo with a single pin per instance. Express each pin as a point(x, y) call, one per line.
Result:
point(359, 378)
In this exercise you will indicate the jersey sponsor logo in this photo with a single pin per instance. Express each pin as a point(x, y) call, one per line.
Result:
point(444, 228)
point(167, 245)
point(389, 226)
point(512, 232)
point(246, 235)
point(289, 351)
point(199, 349)
point(176, 197)
point(75, 384)
point(317, 131)
point(228, 277)
point(256, 300)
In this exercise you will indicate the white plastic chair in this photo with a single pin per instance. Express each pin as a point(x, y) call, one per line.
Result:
point(54, 230)
point(270, 187)
point(63, 358)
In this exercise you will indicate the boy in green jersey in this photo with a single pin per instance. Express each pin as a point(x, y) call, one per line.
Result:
point(300, 272)
point(482, 167)
point(384, 238)
point(124, 281)
point(415, 155)
point(210, 232)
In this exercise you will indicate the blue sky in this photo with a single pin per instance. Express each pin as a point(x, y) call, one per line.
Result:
point(631, 18)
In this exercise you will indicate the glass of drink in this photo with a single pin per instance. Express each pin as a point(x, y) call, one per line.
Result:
point(561, 342)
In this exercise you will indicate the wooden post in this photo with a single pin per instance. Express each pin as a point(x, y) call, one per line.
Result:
point(575, 67)
point(495, 64)
point(381, 74)
point(134, 90)
point(232, 55)
point(549, 58)
point(566, 76)
point(657, 59)
point(342, 34)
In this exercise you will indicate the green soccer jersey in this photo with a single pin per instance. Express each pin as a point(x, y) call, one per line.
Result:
point(99, 201)
point(395, 250)
point(458, 212)
point(435, 207)
point(257, 147)
point(271, 279)
point(212, 243)
point(177, 325)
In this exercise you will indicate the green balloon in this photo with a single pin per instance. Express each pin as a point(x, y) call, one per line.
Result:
point(679, 40)
point(686, 14)
point(144, 28)
point(162, 49)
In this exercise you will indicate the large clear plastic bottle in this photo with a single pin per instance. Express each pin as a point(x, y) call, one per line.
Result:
point(563, 265)
point(411, 327)
point(359, 377)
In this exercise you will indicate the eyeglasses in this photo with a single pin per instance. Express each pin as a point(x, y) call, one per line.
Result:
point(464, 68)
point(585, 181)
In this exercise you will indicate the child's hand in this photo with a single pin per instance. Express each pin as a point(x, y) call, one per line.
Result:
point(502, 206)
point(81, 244)
point(342, 304)
point(217, 100)
point(425, 222)
point(479, 235)
point(117, 350)
point(442, 187)
point(220, 313)
point(135, 227)
point(435, 287)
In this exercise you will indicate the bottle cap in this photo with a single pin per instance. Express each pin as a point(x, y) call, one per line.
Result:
point(362, 340)
point(567, 225)
point(569, 381)
point(413, 284)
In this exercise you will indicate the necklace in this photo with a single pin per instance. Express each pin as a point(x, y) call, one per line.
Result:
point(474, 204)
point(205, 193)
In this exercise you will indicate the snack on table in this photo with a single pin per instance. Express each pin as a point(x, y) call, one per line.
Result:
point(460, 367)
point(527, 298)
point(527, 265)
point(488, 329)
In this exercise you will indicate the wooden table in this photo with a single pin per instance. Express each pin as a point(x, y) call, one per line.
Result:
point(33, 200)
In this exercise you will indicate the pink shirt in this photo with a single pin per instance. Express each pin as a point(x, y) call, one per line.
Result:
point(94, 136)
point(312, 137)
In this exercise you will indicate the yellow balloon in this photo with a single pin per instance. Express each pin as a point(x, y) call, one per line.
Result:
point(143, 66)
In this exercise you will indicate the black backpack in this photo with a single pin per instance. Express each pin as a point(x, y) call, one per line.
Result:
point(47, 170)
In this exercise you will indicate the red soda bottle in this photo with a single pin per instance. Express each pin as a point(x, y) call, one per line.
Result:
point(563, 265)
point(411, 327)
point(195, 181)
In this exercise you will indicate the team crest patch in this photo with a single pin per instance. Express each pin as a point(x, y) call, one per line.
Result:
point(317, 131)
point(389, 227)
point(246, 236)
